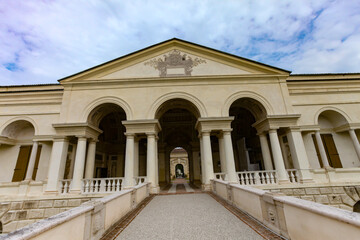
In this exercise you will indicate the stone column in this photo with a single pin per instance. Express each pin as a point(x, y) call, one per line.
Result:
point(229, 158)
point(265, 152)
point(322, 151)
point(90, 162)
point(151, 163)
point(129, 161)
point(355, 142)
point(222, 153)
point(79, 166)
point(278, 158)
point(136, 157)
point(203, 173)
point(156, 161)
point(298, 154)
point(32, 160)
point(57, 164)
point(208, 161)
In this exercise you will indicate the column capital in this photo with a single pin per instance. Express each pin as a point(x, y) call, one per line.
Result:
point(293, 129)
point(129, 135)
point(60, 139)
point(92, 140)
point(272, 130)
point(205, 133)
point(227, 131)
point(151, 134)
point(81, 137)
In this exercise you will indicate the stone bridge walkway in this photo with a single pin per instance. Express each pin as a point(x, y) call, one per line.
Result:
point(188, 216)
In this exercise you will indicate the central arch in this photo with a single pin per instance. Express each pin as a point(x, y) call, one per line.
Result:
point(177, 118)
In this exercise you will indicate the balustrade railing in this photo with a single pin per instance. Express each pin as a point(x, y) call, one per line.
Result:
point(102, 185)
point(257, 177)
point(293, 175)
point(139, 180)
point(65, 186)
point(221, 176)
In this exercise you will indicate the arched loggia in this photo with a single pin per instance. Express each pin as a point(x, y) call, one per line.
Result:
point(177, 118)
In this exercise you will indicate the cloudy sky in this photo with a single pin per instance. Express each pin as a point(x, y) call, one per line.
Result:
point(42, 41)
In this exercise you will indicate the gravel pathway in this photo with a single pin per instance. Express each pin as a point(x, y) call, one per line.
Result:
point(188, 216)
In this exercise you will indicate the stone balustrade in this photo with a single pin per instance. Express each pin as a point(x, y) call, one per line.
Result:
point(65, 186)
point(284, 214)
point(257, 177)
point(102, 185)
point(140, 180)
point(293, 175)
point(221, 176)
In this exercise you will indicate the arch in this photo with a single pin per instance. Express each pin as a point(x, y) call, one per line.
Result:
point(19, 119)
point(176, 95)
point(330, 108)
point(246, 94)
point(356, 207)
point(104, 100)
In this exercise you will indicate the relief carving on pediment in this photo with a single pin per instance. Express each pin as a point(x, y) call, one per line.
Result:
point(174, 63)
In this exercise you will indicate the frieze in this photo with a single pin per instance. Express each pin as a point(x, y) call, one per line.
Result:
point(175, 63)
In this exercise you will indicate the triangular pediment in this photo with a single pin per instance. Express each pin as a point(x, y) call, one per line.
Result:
point(175, 58)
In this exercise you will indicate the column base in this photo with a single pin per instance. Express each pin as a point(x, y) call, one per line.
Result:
point(154, 190)
point(206, 187)
point(284, 181)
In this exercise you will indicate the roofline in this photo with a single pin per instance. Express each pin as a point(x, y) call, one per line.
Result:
point(323, 74)
point(169, 40)
point(31, 85)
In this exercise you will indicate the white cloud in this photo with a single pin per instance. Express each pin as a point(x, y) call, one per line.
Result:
point(48, 40)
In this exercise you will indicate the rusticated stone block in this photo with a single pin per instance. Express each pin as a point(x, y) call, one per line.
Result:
point(60, 203)
point(338, 190)
point(51, 212)
point(346, 208)
point(16, 205)
point(352, 193)
point(4, 207)
point(10, 227)
point(347, 200)
point(30, 204)
point(74, 202)
point(322, 199)
point(308, 198)
point(287, 191)
point(334, 199)
point(312, 191)
point(21, 215)
point(299, 191)
point(325, 190)
point(24, 223)
point(36, 213)
point(8, 217)
point(46, 204)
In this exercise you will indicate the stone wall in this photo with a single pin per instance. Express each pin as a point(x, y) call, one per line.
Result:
point(343, 197)
point(17, 214)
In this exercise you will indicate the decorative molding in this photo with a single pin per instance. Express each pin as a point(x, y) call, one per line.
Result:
point(174, 60)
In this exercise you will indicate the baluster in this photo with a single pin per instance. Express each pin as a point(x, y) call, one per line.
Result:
point(96, 186)
point(241, 179)
point(86, 186)
point(65, 186)
point(118, 185)
point(272, 178)
point(296, 176)
point(267, 177)
point(251, 179)
point(257, 178)
point(291, 176)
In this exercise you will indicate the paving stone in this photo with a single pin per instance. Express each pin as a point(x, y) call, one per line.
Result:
point(308, 198)
point(347, 200)
point(36, 214)
point(24, 223)
point(60, 203)
point(30, 204)
point(299, 191)
point(21, 215)
point(10, 227)
point(322, 199)
point(46, 204)
point(16, 205)
point(327, 190)
point(334, 199)
point(74, 202)
point(338, 190)
point(51, 212)
point(8, 217)
point(312, 191)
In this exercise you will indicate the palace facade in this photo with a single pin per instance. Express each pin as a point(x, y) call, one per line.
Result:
point(114, 125)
